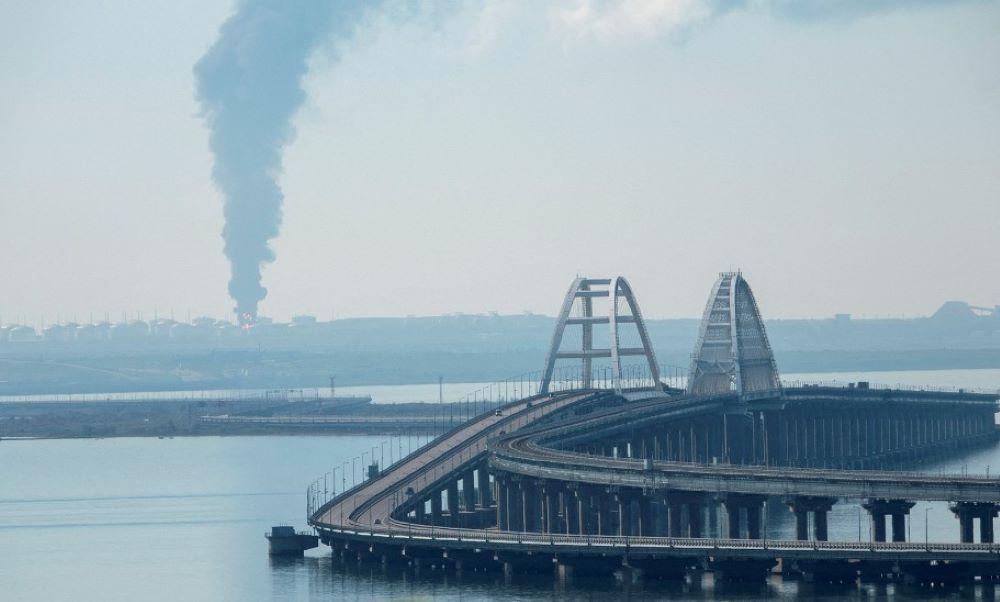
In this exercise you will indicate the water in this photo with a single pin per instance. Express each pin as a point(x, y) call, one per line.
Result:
point(982, 379)
point(184, 518)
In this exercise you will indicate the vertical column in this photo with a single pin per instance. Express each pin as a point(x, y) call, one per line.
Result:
point(752, 506)
point(453, 513)
point(515, 505)
point(624, 502)
point(603, 509)
point(436, 508)
point(820, 529)
point(733, 506)
point(878, 525)
point(571, 511)
point(989, 512)
point(673, 516)
point(712, 527)
point(552, 493)
point(485, 492)
point(503, 501)
point(801, 523)
point(531, 505)
point(754, 512)
point(646, 516)
point(469, 491)
point(696, 518)
point(897, 509)
point(588, 520)
point(733, 516)
point(967, 512)
point(819, 507)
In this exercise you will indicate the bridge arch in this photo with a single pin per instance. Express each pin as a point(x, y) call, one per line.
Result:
point(733, 352)
point(581, 295)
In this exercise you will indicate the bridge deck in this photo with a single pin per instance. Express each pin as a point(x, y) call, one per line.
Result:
point(375, 500)
point(528, 454)
point(364, 513)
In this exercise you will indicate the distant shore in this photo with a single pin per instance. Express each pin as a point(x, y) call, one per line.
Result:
point(45, 373)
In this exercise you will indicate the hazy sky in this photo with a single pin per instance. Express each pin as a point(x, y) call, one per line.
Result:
point(477, 159)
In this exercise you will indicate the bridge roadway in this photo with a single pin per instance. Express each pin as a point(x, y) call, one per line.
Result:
point(527, 454)
point(373, 501)
point(369, 515)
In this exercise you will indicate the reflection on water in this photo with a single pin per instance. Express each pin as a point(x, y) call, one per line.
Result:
point(184, 518)
point(326, 578)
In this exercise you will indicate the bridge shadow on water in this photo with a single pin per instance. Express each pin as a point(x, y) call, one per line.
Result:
point(323, 577)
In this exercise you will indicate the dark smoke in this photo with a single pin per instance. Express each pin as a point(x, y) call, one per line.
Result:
point(249, 84)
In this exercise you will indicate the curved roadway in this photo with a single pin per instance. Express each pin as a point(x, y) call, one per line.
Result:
point(365, 512)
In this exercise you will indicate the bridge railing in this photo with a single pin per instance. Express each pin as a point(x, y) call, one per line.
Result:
point(839, 384)
point(409, 531)
point(485, 400)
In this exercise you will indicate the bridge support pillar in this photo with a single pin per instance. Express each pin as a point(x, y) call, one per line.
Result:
point(436, 508)
point(469, 490)
point(801, 506)
point(967, 512)
point(419, 512)
point(673, 519)
point(986, 524)
point(754, 514)
point(821, 529)
point(530, 505)
point(673, 515)
point(696, 518)
point(801, 525)
point(624, 502)
point(603, 513)
point(550, 509)
point(485, 491)
point(646, 516)
point(571, 512)
point(899, 526)
point(515, 504)
point(752, 506)
point(453, 512)
point(879, 509)
point(503, 502)
point(588, 517)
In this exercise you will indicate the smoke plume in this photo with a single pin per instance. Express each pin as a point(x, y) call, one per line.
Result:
point(249, 84)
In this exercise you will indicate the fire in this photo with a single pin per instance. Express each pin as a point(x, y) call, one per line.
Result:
point(246, 320)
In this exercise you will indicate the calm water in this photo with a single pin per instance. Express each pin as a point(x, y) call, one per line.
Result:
point(183, 519)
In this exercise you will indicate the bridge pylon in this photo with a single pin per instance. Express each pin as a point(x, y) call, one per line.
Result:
point(622, 309)
point(732, 352)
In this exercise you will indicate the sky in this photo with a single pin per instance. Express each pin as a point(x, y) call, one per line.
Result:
point(477, 158)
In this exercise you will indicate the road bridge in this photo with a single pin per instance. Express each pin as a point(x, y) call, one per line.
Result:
point(659, 481)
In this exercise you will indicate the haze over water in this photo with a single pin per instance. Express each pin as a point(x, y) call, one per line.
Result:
point(184, 519)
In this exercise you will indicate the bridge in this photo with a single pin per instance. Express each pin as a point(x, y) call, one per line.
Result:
point(631, 476)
